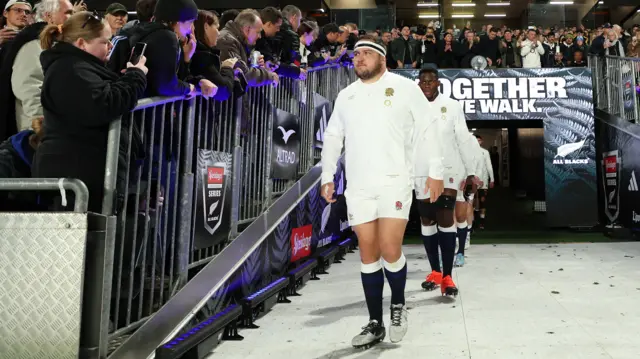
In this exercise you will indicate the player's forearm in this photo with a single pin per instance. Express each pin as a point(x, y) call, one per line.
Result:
point(434, 154)
point(331, 150)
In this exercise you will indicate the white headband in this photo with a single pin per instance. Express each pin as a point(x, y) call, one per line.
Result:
point(371, 45)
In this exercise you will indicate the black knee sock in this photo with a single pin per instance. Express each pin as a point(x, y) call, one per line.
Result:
point(373, 284)
point(397, 277)
point(447, 240)
point(462, 236)
point(430, 241)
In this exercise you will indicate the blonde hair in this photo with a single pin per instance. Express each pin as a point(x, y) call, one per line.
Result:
point(81, 25)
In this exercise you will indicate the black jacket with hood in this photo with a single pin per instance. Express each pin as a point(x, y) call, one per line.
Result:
point(81, 97)
point(288, 43)
point(168, 74)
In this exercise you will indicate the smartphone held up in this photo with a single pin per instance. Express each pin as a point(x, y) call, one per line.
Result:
point(137, 53)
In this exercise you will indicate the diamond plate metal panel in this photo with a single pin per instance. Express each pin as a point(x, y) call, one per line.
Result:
point(41, 273)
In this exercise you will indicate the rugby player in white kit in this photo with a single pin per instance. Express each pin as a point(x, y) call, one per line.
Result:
point(379, 118)
point(459, 150)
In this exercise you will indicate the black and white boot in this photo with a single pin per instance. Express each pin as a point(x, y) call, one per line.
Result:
point(372, 334)
point(399, 322)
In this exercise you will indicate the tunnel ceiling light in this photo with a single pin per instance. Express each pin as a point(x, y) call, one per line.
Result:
point(600, 2)
point(429, 16)
point(498, 4)
point(463, 4)
point(495, 15)
point(561, 2)
point(427, 4)
point(462, 16)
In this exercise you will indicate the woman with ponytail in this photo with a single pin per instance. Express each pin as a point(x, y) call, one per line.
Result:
point(80, 98)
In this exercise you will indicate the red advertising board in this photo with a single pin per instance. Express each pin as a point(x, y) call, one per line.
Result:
point(301, 242)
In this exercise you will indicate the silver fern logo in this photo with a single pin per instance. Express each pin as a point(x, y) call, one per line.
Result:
point(567, 149)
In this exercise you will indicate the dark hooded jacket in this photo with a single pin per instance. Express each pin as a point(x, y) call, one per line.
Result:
point(168, 74)
point(81, 97)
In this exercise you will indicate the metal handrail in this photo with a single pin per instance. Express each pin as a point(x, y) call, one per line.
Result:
point(43, 184)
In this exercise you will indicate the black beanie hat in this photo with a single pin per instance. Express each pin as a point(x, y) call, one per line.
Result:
point(175, 10)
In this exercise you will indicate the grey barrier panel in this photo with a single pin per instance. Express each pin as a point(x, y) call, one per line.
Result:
point(41, 279)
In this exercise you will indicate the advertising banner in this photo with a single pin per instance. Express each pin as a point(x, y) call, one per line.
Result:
point(563, 99)
point(285, 146)
point(322, 114)
point(620, 172)
point(333, 218)
point(213, 198)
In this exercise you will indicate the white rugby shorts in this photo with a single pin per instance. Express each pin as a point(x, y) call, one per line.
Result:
point(451, 181)
point(383, 202)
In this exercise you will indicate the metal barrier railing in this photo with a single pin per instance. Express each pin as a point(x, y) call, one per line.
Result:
point(616, 81)
point(151, 182)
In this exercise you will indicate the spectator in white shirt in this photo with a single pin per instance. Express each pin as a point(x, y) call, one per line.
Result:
point(531, 51)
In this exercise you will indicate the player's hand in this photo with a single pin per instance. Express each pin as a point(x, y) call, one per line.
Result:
point(471, 181)
point(491, 184)
point(435, 188)
point(327, 191)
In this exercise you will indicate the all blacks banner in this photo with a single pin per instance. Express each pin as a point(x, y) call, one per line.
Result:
point(213, 198)
point(563, 99)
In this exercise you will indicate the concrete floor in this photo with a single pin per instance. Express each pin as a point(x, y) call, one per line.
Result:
point(516, 301)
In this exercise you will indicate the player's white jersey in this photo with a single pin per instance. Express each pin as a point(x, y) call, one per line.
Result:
point(459, 146)
point(484, 169)
point(380, 124)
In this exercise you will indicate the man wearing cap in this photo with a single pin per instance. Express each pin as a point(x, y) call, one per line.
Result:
point(325, 45)
point(16, 13)
point(379, 119)
point(116, 16)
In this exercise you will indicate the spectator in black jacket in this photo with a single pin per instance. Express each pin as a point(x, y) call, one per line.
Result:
point(489, 47)
point(448, 52)
point(206, 60)
point(468, 49)
point(168, 51)
point(405, 50)
point(426, 49)
point(325, 44)
point(270, 48)
point(81, 97)
point(287, 38)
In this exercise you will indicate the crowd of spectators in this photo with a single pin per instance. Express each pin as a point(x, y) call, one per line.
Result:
point(533, 47)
